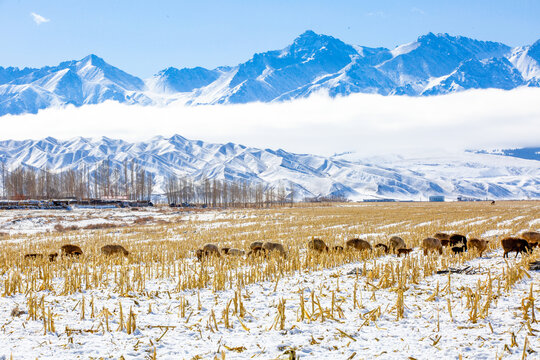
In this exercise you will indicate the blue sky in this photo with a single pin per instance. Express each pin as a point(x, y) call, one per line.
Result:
point(143, 37)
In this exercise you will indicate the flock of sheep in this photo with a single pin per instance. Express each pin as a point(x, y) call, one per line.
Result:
point(457, 242)
point(74, 250)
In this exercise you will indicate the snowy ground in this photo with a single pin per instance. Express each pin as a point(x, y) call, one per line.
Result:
point(348, 330)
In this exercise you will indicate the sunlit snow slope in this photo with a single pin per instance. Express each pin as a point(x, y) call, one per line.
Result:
point(498, 175)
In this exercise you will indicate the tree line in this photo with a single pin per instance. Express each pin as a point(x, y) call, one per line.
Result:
point(128, 180)
point(104, 180)
point(226, 193)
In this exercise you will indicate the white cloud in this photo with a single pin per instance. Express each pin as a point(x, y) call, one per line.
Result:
point(367, 124)
point(38, 19)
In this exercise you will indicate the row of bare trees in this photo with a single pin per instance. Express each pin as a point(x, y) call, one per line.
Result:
point(128, 180)
point(216, 193)
point(104, 180)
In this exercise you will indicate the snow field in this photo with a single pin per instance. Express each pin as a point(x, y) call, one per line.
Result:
point(236, 309)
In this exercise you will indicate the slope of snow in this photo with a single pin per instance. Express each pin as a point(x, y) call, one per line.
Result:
point(527, 66)
point(405, 48)
point(414, 177)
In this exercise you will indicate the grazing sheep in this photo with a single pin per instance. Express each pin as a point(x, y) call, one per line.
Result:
point(458, 249)
point(358, 244)
point(431, 244)
point(515, 244)
point(33, 256)
point(443, 237)
point(114, 249)
point(255, 244)
point(71, 250)
point(403, 251)
point(211, 249)
point(53, 256)
point(317, 245)
point(225, 250)
point(338, 248)
point(532, 237)
point(235, 252)
point(397, 243)
point(272, 246)
point(382, 246)
point(257, 250)
point(478, 244)
point(207, 250)
point(457, 239)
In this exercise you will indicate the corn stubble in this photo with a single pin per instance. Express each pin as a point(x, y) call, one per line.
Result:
point(165, 252)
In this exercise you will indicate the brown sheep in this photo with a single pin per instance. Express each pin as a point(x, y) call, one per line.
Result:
point(225, 250)
point(532, 237)
point(257, 250)
point(207, 250)
point(53, 256)
point(235, 252)
point(358, 244)
point(255, 244)
point(71, 250)
point(33, 256)
point(431, 244)
point(478, 244)
point(114, 249)
point(515, 244)
point(317, 245)
point(382, 246)
point(396, 243)
point(211, 249)
point(272, 246)
point(443, 237)
point(403, 251)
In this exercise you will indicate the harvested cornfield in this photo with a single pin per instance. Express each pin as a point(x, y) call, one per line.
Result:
point(160, 301)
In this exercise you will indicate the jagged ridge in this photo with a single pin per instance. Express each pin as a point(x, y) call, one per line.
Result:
point(431, 65)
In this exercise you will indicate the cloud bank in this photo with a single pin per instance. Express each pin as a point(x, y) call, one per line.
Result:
point(38, 19)
point(363, 123)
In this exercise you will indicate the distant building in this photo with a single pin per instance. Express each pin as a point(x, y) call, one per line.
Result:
point(465, 198)
point(436, 198)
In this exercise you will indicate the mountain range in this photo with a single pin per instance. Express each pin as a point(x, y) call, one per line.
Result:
point(433, 64)
point(500, 174)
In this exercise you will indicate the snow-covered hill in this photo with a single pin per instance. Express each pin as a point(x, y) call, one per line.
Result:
point(431, 65)
point(500, 175)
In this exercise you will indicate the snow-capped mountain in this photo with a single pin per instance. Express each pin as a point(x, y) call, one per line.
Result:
point(431, 65)
point(495, 73)
point(88, 81)
point(499, 175)
point(527, 60)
